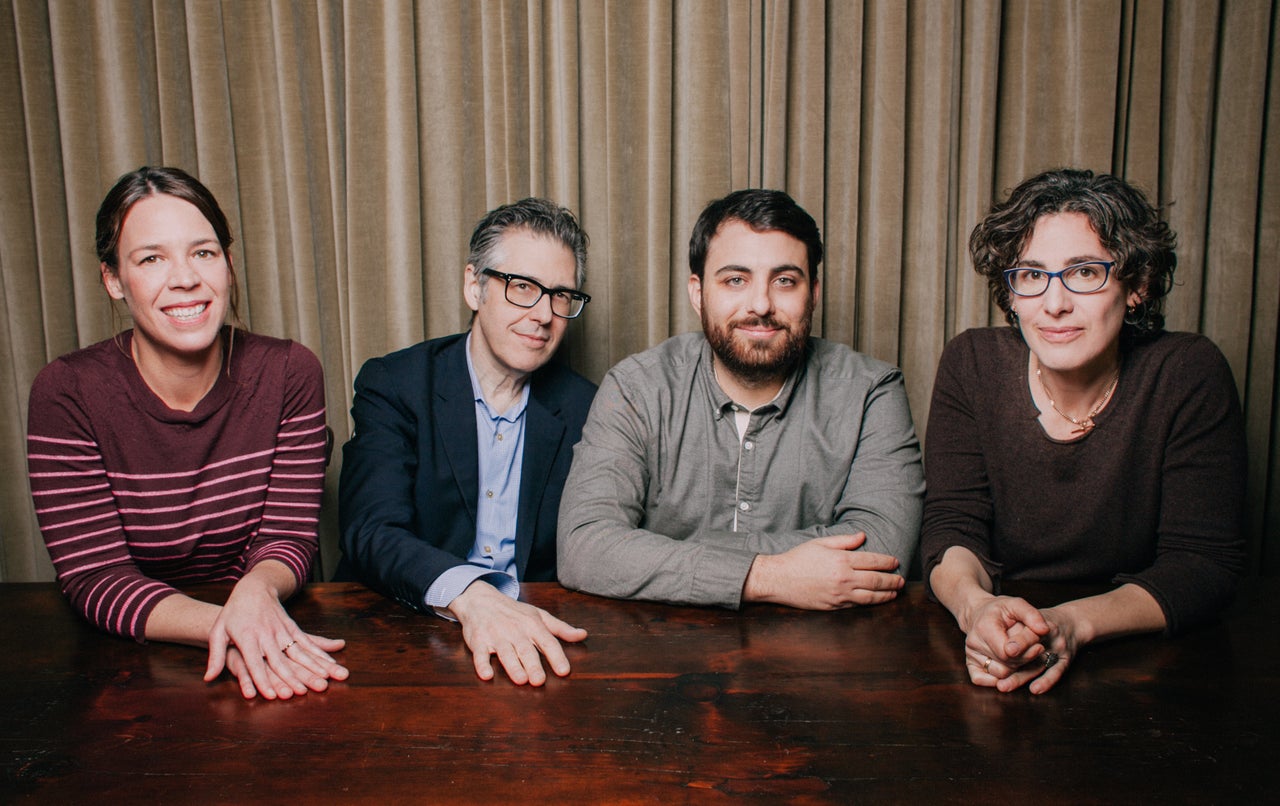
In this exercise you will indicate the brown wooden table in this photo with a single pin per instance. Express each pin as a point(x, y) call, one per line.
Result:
point(665, 704)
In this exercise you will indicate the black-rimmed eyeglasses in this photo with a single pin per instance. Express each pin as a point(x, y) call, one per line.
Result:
point(526, 292)
point(1082, 278)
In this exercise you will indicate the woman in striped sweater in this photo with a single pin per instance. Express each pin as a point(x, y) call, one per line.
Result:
point(184, 451)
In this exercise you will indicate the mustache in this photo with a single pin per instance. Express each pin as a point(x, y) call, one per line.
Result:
point(758, 321)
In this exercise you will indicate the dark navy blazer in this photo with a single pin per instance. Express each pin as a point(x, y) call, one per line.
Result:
point(410, 472)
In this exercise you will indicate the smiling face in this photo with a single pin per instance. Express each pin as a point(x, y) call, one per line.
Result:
point(506, 338)
point(175, 278)
point(756, 302)
point(1071, 333)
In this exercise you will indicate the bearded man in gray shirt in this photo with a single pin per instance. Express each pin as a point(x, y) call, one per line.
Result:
point(750, 462)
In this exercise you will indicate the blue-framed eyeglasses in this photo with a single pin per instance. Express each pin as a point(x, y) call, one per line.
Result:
point(1082, 278)
point(525, 292)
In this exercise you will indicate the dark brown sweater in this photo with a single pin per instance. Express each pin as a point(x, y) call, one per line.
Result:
point(1154, 495)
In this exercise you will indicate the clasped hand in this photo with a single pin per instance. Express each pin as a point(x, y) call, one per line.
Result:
point(1009, 643)
point(254, 639)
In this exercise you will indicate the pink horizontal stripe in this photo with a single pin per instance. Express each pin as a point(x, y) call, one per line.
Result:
point(286, 533)
point(68, 474)
point(298, 476)
point(78, 505)
point(198, 503)
point(295, 448)
point(95, 549)
point(278, 518)
point(64, 457)
point(241, 458)
point(115, 527)
point(200, 536)
point(258, 471)
point(51, 526)
point(301, 432)
point(57, 441)
point(64, 490)
point(160, 527)
point(301, 417)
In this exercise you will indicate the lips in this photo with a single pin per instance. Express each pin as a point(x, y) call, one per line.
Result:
point(536, 339)
point(758, 328)
point(1058, 335)
point(187, 312)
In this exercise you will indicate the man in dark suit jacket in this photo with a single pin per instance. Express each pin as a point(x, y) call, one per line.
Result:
point(451, 480)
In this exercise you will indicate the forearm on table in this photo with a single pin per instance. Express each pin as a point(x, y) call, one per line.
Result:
point(1126, 610)
point(181, 619)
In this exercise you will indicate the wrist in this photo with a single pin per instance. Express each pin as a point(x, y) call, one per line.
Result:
point(971, 601)
point(465, 602)
point(1072, 619)
point(758, 585)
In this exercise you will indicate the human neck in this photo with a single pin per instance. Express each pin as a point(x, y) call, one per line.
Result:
point(750, 393)
point(178, 380)
point(500, 386)
point(1073, 398)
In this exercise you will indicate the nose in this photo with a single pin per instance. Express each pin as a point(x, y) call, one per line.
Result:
point(760, 302)
point(1056, 299)
point(183, 274)
point(541, 310)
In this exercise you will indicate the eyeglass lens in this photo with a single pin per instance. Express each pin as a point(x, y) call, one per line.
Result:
point(527, 294)
point(1083, 278)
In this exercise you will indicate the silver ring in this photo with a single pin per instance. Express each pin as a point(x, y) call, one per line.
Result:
point(286, 646)
point(1050, 658)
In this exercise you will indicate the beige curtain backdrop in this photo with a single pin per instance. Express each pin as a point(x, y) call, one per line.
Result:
point(353, 145)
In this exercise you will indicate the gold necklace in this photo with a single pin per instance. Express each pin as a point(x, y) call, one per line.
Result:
point(1087, 424)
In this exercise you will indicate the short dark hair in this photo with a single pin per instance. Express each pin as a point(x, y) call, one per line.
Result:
point(763, 211)
point(147, 181)
point(1127, 225)
point(539, 216)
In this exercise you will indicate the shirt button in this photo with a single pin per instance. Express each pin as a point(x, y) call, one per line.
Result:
point(499, 437)
point(488, 493)
point(744, 506)
point(748, 445)
point(488, 550)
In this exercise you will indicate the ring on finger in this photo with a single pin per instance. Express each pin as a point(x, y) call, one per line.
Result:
point(285, 648)
point(1050, 658)
point(986, 667)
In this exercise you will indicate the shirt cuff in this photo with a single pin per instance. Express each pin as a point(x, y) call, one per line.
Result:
point(449, 585)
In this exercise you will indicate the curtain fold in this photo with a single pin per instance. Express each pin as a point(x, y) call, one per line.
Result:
point(353, 145)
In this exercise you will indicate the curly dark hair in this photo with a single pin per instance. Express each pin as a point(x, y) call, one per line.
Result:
point(1127, 225)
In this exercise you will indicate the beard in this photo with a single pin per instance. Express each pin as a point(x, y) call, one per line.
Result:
point(755, 363)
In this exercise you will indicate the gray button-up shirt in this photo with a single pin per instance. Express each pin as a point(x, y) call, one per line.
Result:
point(661, 473)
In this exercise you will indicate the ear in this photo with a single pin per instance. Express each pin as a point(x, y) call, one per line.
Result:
point(111, 282)
point(817, 292)
point(695, 293)
point(471, 287)
point(1136, 297)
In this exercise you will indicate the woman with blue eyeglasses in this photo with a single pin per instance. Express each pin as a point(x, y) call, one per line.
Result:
point(1083, 444)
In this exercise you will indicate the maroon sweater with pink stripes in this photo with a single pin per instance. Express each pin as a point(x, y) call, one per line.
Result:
point(134, 497)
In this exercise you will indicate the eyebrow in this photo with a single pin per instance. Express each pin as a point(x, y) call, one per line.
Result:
point(155, 247)
point(776, 270)
point(540, 284)
point(1071, 261)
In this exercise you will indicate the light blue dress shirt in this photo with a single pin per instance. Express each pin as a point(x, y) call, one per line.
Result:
point(500, 444)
